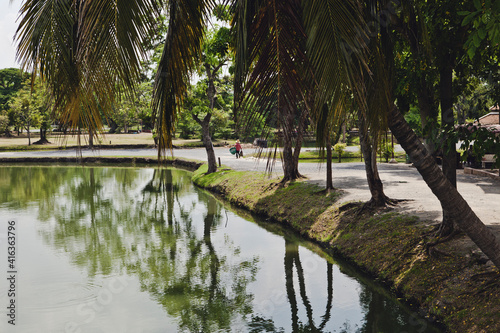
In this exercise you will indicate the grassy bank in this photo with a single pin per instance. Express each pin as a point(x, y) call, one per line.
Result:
point(451, 282)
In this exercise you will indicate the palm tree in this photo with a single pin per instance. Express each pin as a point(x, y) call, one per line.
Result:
point(272, 45)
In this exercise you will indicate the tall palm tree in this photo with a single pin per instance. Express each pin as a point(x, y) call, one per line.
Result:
point(272, 69)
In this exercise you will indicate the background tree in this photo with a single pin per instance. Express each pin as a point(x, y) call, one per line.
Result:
point(215, 55)
point(43, 103)
point(25, 111)
point(11, 80)
point(132, 109)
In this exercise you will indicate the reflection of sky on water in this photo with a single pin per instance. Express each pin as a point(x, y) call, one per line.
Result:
point(55, 296)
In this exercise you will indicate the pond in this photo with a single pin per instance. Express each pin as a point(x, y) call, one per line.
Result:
point(109, 249)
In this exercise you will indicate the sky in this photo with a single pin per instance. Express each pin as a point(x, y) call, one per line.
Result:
point(8, 16)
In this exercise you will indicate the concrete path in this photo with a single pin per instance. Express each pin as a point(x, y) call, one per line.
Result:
point(401, 181)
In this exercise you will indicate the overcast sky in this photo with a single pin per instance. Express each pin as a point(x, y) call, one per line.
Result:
point(8, 25)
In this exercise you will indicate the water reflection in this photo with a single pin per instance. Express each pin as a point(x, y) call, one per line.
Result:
point(151, 233)
point(151, 224)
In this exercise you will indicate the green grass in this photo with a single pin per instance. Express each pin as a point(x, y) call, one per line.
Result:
point(313, 156)
point(387, 245)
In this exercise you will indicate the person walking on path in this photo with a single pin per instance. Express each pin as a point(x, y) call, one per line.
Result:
point(239, 151)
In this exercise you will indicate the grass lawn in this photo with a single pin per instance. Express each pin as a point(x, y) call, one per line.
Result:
point(61, 141)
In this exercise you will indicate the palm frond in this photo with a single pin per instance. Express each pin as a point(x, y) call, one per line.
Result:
point(186, 29)
point(81, 49)
point(337, 49)
point(244, 13)
point(279, 77)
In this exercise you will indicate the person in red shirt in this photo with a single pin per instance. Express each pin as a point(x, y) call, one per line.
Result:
point(239, 151)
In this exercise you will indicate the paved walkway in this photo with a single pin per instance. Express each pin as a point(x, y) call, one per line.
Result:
point(401, 181)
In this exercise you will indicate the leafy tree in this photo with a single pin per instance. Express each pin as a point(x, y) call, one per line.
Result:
point(11, 80)
point(43, 103)
point(25, 111)
point(215, 55)
point(4, 122)
point(485, 20)
point(132, 110)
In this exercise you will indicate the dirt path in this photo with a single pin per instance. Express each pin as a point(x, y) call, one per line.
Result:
point(401, 181)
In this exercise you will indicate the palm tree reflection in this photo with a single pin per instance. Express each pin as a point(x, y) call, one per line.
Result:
point(292, 259)
point(152, 234)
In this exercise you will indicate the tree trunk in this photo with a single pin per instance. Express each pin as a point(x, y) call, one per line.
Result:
point(290, 165)
point(207, 142)
point(290, 170)
point(299, 140)
point(344, 131)
point(205, 124)
point(112, 126)
point(43, 137)
point(91, 139)
point(329, 158)
point(448, 195)
point(369, 151)
point(449, 150)
point(29, 135)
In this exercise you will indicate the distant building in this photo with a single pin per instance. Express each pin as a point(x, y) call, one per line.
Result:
point(490, 118)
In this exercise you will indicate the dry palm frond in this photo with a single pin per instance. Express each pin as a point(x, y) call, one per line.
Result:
point(186, 29)
point(82, 49)
point(279, 76)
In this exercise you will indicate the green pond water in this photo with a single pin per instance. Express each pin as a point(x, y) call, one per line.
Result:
point(110, 249)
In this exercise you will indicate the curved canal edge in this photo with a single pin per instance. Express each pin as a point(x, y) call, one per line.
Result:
point(450, 282)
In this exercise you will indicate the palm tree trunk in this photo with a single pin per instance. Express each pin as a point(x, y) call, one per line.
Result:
point(369, 151)
point(290, 163)
point(329, 176)
point(91, 138)
point(299, 139)
point(448, 195)
point(448, 121)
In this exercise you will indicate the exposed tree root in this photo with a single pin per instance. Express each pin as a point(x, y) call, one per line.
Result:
point(434, 252)
point(291, 179)
point(348, 206)
point(491, 281)
point(383, 202)
point(41, 142)
point(492, 275)
point(431, 246)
